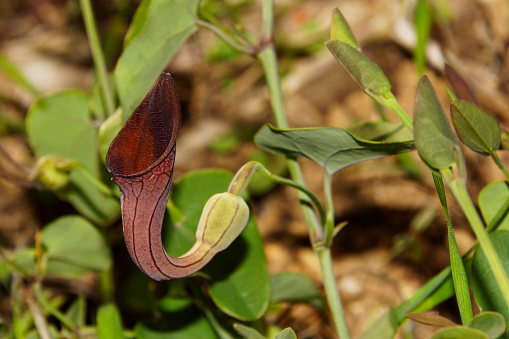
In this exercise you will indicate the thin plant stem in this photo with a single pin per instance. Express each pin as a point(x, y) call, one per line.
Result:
point(459, 189)
point(332, 292)
point(39, 320)
point(98, 56)
point(41, 299)
point(267, 29)
point(244, 175)
point(329, 208)
point(500, 164)
point(267, 56)
point(206, 308)
point(227, 39)
point(392, 103)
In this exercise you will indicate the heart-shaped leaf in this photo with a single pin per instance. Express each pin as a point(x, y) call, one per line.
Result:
point(337, 148)
point(158, 29)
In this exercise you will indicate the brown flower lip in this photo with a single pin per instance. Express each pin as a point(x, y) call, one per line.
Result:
point(149, 134)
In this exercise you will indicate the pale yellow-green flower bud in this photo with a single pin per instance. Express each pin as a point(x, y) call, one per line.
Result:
point(223, 218)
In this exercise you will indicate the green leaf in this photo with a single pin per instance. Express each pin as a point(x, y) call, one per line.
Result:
point(73, 241)
point(77, 312)
point(486, 290)
point(287, 333)
point(158, 29)
point(384, 327)
point(60, 124)
point(434, 139)
point(491, 323)
point(294, 287)
point(247, 332)
point(457, 269)
point(476, 127)
point(180, 319)
point(109, 322)
point(341, 31)
point(73, 247)
point(494, 205)
point(108, 131)
point(336, 148)
point(459, 333)
point(366, 74)
point(238, 279)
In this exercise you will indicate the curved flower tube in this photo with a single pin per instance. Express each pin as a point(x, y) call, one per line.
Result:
point(141, 159)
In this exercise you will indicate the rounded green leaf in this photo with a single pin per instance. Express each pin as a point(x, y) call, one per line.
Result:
point(486, 291)
point(494, 205)
point(434, 139)
point(491, 323)
point(476, 127)
point(247, 332)
point(287, 333)
point(459, 333)
point(294, 287)
point(239, 283)
point(59, 124)
point(72, 241)
point(150, 44)
point(365, 72)
point(73, 246)
point(109, 323)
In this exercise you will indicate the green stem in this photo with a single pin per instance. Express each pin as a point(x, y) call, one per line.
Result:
point(244, 175)
point(267, 30)
point(267, 57)
point(41, 298)
point(206, 308)
point(227, 39)
point(98, 56)
point(332, 292)
point(459, 189)
point(329, 207)
point(500, 164)
point(392, 103)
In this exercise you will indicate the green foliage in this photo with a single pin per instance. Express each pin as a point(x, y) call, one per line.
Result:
point(150, 34)
point(366, 74)
point(180, 319)
point(494, 205)
point(476, 127)
point(486, 290)
point(434, 139)
point(294, 287)
point(60, 125)
point(238, 279)
point(337, 148)
point(66, 254)
point(109, 323)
